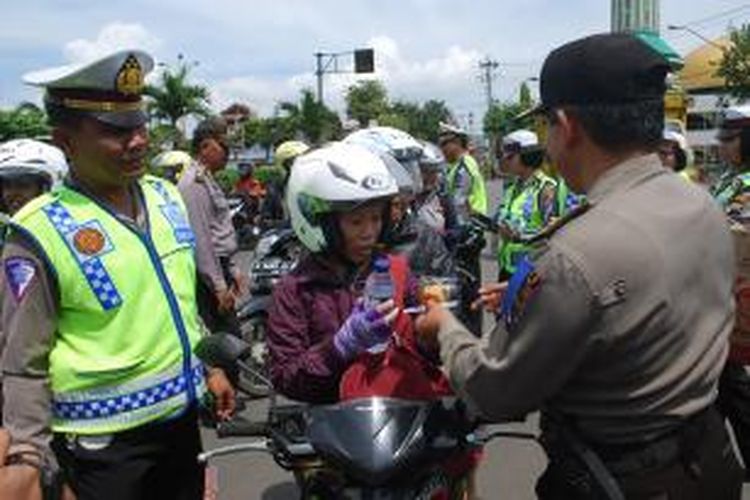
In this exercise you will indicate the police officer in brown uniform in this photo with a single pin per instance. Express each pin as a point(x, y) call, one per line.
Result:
point(220, 280)
point(617, 326)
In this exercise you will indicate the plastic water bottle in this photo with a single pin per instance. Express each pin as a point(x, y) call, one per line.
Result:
point(378, 289)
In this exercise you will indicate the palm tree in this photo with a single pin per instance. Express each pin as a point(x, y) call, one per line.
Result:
point(313, 119)
point(174, 97)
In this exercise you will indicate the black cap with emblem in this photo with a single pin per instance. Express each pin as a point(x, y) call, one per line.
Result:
point(108, 89)
point(610, 69)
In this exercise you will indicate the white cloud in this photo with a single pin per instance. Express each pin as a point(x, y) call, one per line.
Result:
point(112, 37)
point(447, 76)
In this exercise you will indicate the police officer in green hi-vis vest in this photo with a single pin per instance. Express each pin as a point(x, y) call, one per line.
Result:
point(464, 184)
point(99, 305)
point(529, 201)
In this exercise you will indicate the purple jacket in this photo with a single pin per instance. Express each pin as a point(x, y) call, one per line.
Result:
point(309, 305)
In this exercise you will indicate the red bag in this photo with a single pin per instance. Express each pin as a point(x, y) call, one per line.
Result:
point(401, 371)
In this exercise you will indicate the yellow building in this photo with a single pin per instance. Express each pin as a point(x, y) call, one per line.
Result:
point(707, 98)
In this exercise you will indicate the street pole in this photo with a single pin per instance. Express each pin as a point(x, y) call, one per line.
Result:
point(488, 67)
point(319, 75)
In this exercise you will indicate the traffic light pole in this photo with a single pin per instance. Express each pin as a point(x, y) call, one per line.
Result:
point(363, 63)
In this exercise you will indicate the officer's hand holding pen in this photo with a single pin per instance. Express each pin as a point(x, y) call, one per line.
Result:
point(490, 296)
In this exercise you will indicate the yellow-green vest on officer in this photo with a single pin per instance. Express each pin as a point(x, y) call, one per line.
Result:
point(522, 211)
point(478, 194)
point(127, 321)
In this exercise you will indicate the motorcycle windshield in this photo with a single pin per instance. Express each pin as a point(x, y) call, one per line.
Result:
point(372, 439)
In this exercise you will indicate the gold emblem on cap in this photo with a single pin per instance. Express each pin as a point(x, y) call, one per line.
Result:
point(130, 77)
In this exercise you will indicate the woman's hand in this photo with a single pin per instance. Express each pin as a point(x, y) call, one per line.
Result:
point(364, 328)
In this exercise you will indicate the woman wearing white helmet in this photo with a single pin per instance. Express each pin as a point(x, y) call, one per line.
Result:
point(675, 154)
point(28, 168)
point(434, 206)
point(338, 198)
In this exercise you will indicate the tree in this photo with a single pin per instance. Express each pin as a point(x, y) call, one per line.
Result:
point(365, 101)
point(174, 96)
point(501, 119)
point(433, 112)
point(524, 98)
point(421, 121)
point(265, 132)
point(312, 119)
point(24, 121)
point(734, 67)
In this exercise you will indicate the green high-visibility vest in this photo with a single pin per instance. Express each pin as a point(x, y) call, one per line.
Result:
point(521, 211)
point(478, 194)
point(729, 186)
point(128, 322)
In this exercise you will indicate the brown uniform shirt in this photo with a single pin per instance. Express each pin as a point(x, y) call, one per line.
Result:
point(624, 323)
point(209, 215)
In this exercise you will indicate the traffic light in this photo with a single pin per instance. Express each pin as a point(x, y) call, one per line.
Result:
point(364, 61)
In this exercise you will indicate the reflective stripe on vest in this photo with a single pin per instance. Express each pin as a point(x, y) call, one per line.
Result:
point(127, 403)
point(91, 266)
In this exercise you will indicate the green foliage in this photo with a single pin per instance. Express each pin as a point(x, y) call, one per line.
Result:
point(165, 137)
point(524, 98)
point(366, 101)
point(735, 64)
point(174, 96)
point(24, 121)
point(269, 174)
point(226, 179)
point(421, 121)
point(307, 118)
point(502, 119)
point(313, 120)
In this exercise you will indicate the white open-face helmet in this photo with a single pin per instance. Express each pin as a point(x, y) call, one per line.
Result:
point(432, 157)
point(336, 178)
point(397, 143)
point(30, 158)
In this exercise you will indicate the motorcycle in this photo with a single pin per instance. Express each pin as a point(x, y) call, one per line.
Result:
point(276, 254)
point(243, 210)
point(366, 449)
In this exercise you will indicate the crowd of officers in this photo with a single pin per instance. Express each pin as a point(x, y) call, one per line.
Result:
point(614, 301)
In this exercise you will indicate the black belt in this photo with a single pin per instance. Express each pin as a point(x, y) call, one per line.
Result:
point(677, 445)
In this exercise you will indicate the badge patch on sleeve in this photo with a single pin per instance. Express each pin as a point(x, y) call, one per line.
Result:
point(522, 286)
point(19, 274)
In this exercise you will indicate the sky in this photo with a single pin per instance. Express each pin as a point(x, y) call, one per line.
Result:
point(260, 52)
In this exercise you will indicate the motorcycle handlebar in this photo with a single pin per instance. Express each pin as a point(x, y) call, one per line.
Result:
point(241, 428)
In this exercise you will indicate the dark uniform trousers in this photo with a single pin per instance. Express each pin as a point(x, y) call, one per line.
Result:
point(208, 308)
point(697, 462)
point(734, 403)
point(154, 462)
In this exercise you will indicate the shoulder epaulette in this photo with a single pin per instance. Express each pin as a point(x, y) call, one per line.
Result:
point(548, 231)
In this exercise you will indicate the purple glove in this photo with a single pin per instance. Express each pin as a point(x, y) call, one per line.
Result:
point(364, 328)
